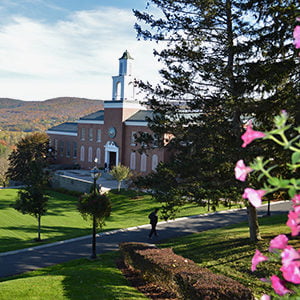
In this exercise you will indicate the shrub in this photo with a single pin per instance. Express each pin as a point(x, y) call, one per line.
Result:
point(180, 275)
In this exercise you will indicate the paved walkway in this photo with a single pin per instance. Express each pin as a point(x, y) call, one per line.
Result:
point(20, 261)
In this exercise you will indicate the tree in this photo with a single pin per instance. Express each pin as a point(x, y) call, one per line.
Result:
point(28, 161)
point(3, 170)
point(27, 164)
point(32, 201)
point(96, 207)
point(222, 62)
point(120, 173)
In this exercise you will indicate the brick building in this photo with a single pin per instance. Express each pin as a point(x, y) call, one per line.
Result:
point(109, 134)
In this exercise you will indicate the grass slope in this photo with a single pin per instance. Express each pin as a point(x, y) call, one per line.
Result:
point(228, 251)
point(80, 279)
point(63, 221)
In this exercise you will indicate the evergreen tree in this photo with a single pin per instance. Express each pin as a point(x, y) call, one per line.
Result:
point(221, 66)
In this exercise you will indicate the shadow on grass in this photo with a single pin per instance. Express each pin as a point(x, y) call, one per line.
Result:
point(49, 234)
point(80, 279)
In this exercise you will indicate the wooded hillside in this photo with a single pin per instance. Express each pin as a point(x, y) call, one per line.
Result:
point(18, 115)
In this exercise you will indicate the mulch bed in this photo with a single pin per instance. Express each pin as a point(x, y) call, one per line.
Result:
point(149, 289)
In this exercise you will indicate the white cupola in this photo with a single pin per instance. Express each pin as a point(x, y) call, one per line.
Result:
point(123, 84)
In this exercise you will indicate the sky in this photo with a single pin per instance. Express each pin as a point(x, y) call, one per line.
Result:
point(59, 48)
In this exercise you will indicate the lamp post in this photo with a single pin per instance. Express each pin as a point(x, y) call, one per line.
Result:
point(95, 173)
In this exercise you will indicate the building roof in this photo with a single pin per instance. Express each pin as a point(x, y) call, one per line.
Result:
point(126, 55)
point(98, 115)
point(141, 116)
point(67, 127)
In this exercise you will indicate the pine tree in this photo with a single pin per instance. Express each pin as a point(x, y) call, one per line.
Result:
point(221, 66)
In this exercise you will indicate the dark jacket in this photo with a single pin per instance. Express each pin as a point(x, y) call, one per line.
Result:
point(153, 218)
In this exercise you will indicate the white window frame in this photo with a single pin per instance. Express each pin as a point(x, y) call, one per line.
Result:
point(133, 138)
point(90, 134)
point(99, 135)
point(90, 154)
point(98, 155)
point(154, 162)
point(82, 150)
point(143, 162)
point(132, 160)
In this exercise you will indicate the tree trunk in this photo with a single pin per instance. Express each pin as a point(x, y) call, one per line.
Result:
point(253, 224)
point(39, 228)
point(119, 185)
point(94, 255)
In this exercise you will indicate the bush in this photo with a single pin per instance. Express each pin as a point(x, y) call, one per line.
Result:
point(180, 275)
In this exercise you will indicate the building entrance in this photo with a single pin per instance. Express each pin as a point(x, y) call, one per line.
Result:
point(112, 159)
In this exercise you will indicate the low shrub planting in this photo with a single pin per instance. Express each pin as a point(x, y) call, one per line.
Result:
point(180, 275)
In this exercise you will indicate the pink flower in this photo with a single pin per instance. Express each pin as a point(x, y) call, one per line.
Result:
point(297, 37)
point(294, 221)
point(241, 170)
point(279, 242)
point(254, 196)
point(290, 255)
point(251, 135)
point(265, 297)
point(257, 258)
point(278, 286)
point(291, 272)
point(296, 199)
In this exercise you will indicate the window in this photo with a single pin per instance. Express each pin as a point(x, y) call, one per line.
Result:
point(98, 135)
point(90, 134)
point(55, 147)
point(90, 154)
point(82, 137)
point(68, 150)
point(155, 140)
point(133, 138)
point(154, 162)
point(98, 155)
point(143, 162)
point(132, 160)
point(82, 153)
point(74, 149)
point(61, 148)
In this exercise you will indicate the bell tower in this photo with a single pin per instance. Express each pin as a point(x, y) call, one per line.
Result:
point(123, 84)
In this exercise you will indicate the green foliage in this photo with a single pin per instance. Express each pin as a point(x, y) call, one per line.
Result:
point(31, 201)
point(95, 205)
point(120, 173)
point(224, 62)
point(28, 160)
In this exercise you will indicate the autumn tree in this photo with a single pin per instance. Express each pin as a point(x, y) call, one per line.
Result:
point(224, 62)
point(27, 164)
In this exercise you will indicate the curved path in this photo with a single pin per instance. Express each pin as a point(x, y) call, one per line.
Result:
point(15, 262)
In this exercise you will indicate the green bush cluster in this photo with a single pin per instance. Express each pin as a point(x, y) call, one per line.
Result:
point(180, 275)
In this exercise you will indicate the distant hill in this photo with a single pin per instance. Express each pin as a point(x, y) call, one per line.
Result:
point(18, 115)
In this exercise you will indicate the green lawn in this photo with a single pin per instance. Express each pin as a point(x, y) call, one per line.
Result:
point(62, 220)
point(228, 251)
point(80, 279)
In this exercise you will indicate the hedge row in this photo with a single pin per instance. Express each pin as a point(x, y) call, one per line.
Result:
point(180, 275)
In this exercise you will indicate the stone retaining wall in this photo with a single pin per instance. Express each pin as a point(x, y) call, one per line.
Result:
point(70, 183)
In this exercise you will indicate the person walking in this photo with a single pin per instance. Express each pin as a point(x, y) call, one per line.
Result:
point(153, 221)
